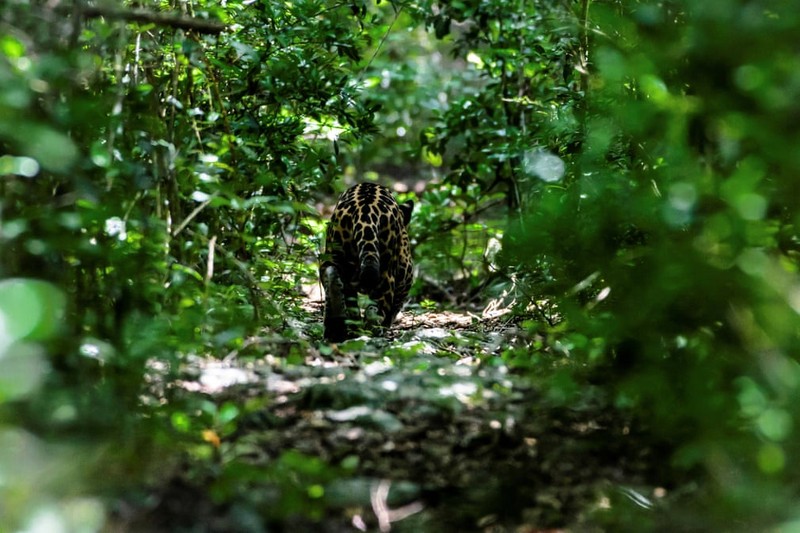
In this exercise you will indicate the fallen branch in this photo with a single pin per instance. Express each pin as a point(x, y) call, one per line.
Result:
point(149, 17)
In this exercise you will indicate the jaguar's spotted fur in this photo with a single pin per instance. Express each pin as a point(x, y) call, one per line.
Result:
point(366, 251)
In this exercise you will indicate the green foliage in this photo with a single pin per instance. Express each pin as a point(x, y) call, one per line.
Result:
point(293, 486)
point(522, 98)
point(156, 190)
point(637, 159)
point(672, 241)
point(453, 229)
point(649, 164)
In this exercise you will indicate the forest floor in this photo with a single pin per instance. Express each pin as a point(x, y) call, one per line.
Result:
point(425, 430)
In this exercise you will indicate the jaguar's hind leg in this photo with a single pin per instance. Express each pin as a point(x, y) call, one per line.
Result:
point(335, 317)
point(341, 304)
point(378, 315)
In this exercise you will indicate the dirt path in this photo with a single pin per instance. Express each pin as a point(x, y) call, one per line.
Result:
point(425, 431)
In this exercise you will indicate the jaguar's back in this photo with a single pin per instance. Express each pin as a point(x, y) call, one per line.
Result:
point(366, 251)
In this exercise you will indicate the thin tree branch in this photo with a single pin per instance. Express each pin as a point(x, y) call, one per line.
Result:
point(193, 214)
point(149, 17)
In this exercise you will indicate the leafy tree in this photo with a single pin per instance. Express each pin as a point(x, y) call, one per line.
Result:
point(648, 162)
point(158, 168)
point(159, 165)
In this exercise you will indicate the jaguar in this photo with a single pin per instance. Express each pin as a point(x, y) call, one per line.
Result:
point(366, 251)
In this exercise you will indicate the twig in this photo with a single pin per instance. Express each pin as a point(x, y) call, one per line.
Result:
point(210, 266)
point(193, 214)
point(379, 494)
point(250, 281)
point(452, 224)
point(380, 44)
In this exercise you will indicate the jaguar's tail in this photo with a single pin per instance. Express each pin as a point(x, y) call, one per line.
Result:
point(370, 267)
